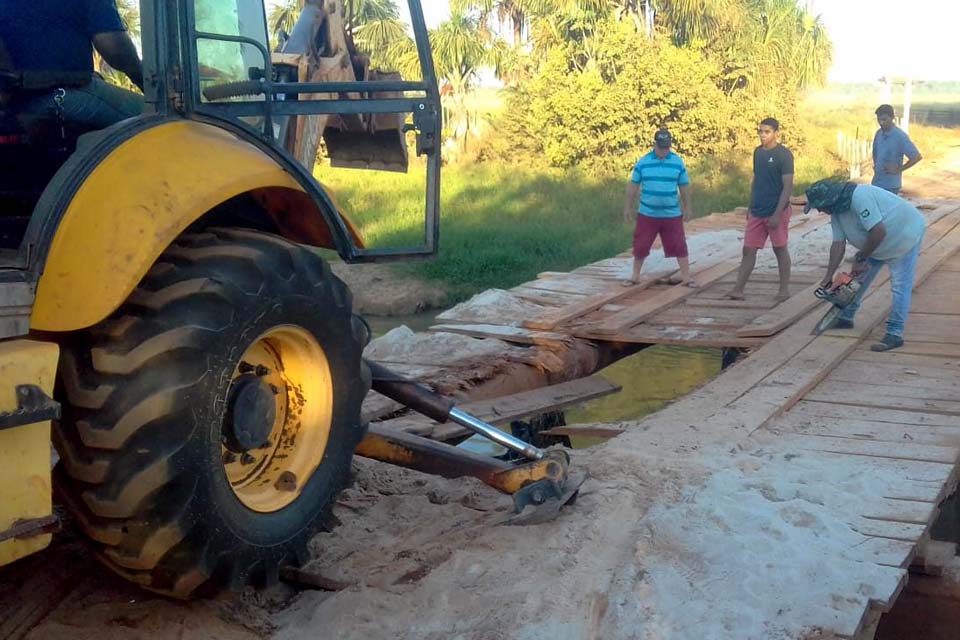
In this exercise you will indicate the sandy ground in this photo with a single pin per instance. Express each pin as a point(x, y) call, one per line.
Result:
point(643, 554)
point(382, 290)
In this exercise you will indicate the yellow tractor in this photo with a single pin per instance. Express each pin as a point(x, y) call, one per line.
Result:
point(165, 312)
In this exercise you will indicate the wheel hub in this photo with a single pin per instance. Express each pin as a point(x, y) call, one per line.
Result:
point(251, 413)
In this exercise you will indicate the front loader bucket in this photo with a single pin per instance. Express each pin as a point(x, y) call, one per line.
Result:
point(384, 150)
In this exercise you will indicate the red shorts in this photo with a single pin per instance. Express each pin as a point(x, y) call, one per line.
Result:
point(671, 235)
point(758, 231)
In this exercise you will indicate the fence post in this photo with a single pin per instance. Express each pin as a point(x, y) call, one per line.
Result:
point(907, 98)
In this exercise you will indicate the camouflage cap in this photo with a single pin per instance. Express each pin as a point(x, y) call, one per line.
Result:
point(827, 195)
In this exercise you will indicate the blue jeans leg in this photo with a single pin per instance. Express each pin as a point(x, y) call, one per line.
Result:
point(873, 269)
point(95, 106)
point(902, 272)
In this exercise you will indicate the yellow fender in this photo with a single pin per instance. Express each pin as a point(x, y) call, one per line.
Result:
point(142, 196)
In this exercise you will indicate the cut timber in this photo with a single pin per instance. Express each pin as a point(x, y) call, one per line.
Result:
point(516, 335)
point(865, 447)
point(811, 409)
point(867, 430)
point(626, 319)
point(502, 410)
point(678, 336)
point(592, 303)
point(889, 397)
point(310, 580)
point(946, 584)
point(783, 315)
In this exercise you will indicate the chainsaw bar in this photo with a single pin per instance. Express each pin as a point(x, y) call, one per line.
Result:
point(828, 320)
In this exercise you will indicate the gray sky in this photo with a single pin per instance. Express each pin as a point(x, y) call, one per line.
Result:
point(874, 38)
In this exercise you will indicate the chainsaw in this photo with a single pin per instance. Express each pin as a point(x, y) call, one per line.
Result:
point(840, 294)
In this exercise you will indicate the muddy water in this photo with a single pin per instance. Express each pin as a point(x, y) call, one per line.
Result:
point(650, 379)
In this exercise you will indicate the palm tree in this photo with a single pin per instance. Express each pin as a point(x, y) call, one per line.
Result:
point(458, 55)
point(814, 50)
point(514, 14)
point(283, 15)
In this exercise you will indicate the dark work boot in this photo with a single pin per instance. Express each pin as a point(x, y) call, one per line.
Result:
point(843, 323)
point(889, 342)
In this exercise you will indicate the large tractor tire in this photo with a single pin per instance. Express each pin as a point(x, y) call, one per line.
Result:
point(209, 424)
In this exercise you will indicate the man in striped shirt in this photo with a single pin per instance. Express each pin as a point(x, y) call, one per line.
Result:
point(660, 179)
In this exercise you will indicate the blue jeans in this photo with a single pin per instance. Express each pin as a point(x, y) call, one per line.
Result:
point(902, 271)
point(96, 105)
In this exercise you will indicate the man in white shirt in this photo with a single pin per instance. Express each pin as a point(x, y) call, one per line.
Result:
point(887, 230)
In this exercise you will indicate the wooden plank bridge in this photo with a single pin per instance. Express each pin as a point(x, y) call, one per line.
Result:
point(891, 419)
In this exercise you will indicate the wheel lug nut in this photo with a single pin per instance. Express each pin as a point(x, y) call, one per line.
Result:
point(229, 457)
point(261, 370)
point(245, 367)
point(246, 458)
point(286, 482)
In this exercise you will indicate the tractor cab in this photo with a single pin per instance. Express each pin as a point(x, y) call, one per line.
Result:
point(331, 89)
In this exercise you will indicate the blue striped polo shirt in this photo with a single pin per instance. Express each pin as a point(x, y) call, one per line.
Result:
point(659, 180)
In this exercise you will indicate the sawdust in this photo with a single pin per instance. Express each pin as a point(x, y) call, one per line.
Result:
point(403, 345)
point(493, 306)
point(648, 552)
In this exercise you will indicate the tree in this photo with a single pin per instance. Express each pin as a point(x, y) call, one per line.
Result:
point(458, 55)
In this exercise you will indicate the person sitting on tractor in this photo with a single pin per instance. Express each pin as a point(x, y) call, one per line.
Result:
point(52, 36)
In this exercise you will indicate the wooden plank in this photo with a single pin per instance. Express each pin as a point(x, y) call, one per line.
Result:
point(872, 449)
point(702, 316)
point(550, 301)
point(937, 303)
point(502, 410)
point(868, 430)
point(887, 397)
point(879, 528)
point(697, 301)
point(882, 551)
point(890, 373)
point(796, 278)
point(913, 361)
point(857, 622)
point(910, 511)
point(811, 408)
point(920, 347)
point(569, 284)
point(592, 303)
point(677, 336)
point(515, 335)
point(784, 314)
point(625, 319)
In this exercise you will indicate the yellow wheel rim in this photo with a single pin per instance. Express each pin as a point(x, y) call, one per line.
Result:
point(293, 364)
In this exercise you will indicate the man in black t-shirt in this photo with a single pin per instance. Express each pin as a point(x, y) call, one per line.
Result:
point(51, 36)
point(769, 213)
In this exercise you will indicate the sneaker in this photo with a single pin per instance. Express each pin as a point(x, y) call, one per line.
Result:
point(889, 342)
point(843, 323)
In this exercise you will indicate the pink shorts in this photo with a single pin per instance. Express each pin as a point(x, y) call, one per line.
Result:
point(758, 231)
point(671, 235)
